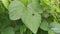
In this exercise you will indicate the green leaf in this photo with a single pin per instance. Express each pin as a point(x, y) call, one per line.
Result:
point(6, 3)
point(4, 21)
point(44, 25)
point(34, 5)
point(17, 27)
point(8, 30)
point(25, 2)
point(2, 9)
point(55, 27)
point(29, 32)
point(16, 10)
point(31, 20)
point(50, 32)
point(22, 29)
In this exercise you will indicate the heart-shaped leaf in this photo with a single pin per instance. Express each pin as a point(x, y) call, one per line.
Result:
point(16, 10)
point(32, 21)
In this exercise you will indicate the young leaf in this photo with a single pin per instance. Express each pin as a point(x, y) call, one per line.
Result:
point(50, 32)
point(6, 3)
point(44, 25)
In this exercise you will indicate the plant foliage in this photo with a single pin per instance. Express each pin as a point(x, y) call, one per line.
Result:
point(29, 16)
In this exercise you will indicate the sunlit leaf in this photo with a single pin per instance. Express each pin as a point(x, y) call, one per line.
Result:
point(15, 10)
point(32, 20)
point(6, 3)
